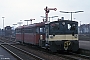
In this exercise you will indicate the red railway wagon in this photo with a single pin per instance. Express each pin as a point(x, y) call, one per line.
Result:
point(19, 34)
point(30, 34)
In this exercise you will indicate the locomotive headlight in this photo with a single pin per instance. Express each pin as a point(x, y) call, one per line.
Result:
point(75, 36)
point(51, 36)
point(41, 37)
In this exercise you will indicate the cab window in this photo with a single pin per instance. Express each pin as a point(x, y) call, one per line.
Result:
point(55, 26)
point(71, 26)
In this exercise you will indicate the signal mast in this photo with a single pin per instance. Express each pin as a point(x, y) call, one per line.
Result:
point(47, 10)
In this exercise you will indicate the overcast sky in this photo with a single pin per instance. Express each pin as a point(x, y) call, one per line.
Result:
point(16, 10)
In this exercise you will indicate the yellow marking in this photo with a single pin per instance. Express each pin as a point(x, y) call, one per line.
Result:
point(63, 37)
point(67, 44)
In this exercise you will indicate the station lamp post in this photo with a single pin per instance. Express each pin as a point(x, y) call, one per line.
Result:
point(19, 23)
point(3, 22)
point(29, 20)
point(43, 18)
point(14, 24)
point(71, 13)
point(80, 27)
point(52, 17)
point(49, 17)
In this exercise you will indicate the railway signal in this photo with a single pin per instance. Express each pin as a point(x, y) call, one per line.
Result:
point(47, 10)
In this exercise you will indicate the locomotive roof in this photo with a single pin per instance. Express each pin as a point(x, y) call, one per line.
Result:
point(65, 21)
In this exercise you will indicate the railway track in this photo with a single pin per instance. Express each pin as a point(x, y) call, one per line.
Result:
point(74, 56)
point(49, 56)
point(6, 40)
point(69, 56)
point(19, 53)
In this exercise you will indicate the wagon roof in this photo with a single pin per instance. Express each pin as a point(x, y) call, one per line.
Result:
point(31, 25)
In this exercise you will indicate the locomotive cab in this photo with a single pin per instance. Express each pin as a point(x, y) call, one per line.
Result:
point(61, 35)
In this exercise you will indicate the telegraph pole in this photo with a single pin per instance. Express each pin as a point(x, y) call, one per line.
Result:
point(3, 22)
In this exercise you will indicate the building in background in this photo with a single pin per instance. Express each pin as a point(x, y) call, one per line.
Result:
point(84, 29)
point(8, 31)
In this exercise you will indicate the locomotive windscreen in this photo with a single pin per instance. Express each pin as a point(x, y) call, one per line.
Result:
point(63, 27)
